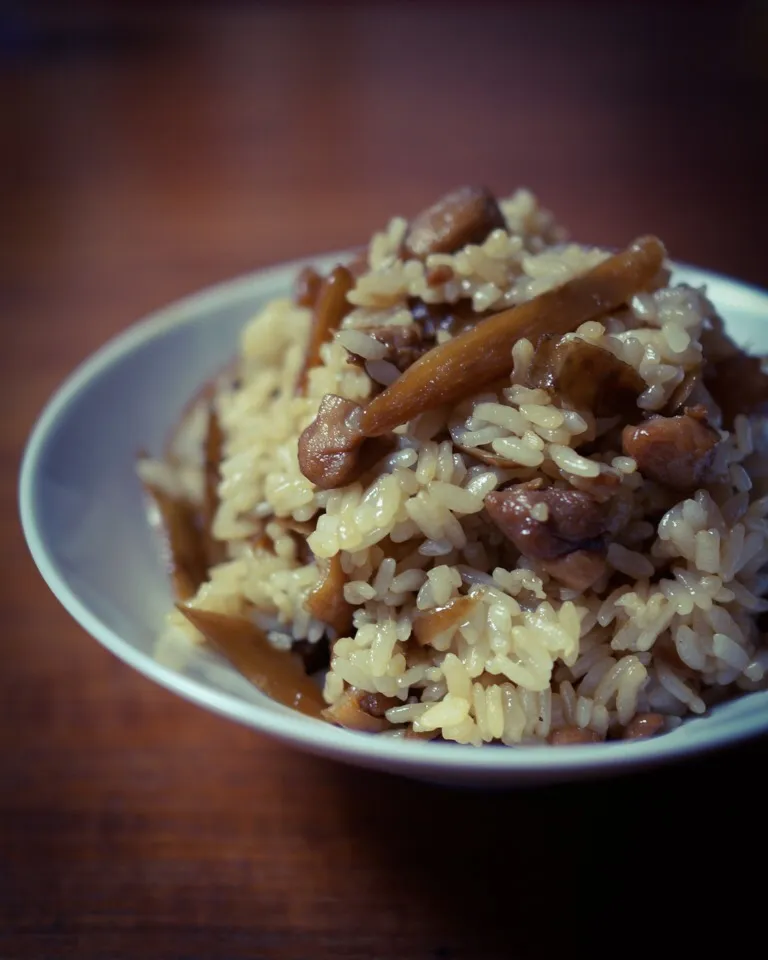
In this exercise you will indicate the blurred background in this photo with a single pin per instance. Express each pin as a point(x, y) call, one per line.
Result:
point(150, 148)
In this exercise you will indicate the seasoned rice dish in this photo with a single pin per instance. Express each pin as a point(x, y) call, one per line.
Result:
point(477, 483)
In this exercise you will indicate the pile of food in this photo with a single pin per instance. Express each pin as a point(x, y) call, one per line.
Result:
point(479, 484)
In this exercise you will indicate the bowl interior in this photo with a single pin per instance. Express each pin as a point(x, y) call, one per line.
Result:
point(83, 515)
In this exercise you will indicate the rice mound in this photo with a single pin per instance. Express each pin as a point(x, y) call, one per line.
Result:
point(670, 628)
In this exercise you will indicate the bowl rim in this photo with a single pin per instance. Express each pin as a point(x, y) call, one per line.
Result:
point(282, 723)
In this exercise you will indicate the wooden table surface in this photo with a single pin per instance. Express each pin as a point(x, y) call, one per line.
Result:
point(149, 150)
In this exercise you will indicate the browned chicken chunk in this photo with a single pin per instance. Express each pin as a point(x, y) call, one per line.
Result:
point(673, 451)
point(587, 377)
point(466, 215)
point(643, 725)
point(575, 520)
point(329, 445)
point(573, 736)
point(578, 570)
point(405, 344)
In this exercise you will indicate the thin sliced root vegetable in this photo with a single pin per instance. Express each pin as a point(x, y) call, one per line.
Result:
point(277, 673)
point(213, 449)
point(183, 542)
point(326, 599)
point(460, 367)
point(330, 309)
point(358, 710)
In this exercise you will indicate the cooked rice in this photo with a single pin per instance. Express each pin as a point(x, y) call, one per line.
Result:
point(669, 627)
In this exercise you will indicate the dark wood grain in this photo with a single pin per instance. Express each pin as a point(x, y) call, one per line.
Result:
point(147, 150)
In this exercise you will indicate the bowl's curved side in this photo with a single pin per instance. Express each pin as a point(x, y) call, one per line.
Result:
point(79, 498)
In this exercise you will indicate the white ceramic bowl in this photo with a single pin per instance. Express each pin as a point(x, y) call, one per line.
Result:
point(83, 516)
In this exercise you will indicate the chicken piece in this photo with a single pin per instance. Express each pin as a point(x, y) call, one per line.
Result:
point(674, 451)
point(643, 725)
point(328, 448)
point(575, 520)
point(326, 599)
point(332, 451)
point(405, 344)
point(579, 570)
point(466, 215)
point(573, 736)
point(584, 376)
